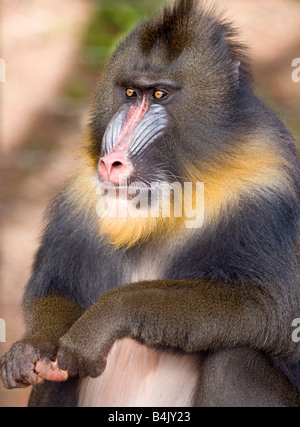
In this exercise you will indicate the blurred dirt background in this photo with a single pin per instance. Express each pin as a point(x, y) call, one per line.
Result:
point(54, 52)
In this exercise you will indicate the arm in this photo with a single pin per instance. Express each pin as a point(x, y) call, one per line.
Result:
point(47, 319)
point(186, 315)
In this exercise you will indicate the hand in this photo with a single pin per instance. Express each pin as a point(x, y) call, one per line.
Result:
point(84, 348)
point(76, 358)
point(28, 363)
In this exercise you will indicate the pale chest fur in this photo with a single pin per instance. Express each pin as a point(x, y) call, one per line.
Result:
point(138, 376)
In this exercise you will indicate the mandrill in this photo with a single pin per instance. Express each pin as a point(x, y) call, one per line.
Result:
point(168, 274)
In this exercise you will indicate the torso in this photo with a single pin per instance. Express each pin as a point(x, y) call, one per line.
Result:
point(136, 375)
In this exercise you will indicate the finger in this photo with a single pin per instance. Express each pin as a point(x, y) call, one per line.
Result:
point(4, 375)
point(67, 363)
point(51, 372)
point(10, 377)
point(97, 368)
point(10, 381)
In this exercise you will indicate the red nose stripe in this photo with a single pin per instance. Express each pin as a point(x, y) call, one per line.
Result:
point(134, 116)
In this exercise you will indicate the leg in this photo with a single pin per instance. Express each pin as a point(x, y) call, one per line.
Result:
point(52, 394)
point(243, 378)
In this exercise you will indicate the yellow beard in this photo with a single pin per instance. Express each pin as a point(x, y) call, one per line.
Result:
point(127, 232)
point(121, 232)
point(251, 167)
point(137, 225)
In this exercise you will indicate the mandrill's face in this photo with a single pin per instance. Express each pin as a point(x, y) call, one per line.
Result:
point(161, 118)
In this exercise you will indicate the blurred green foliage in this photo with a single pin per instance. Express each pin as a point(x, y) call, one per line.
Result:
point(111, 21)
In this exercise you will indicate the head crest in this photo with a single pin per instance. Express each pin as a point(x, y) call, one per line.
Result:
point(189, 23)
point(172, 30)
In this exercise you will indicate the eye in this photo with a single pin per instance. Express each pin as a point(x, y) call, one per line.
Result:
point(159, 94)
point(131, 93)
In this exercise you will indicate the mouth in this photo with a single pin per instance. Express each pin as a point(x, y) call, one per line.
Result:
point(126, 192)
point(129, 193)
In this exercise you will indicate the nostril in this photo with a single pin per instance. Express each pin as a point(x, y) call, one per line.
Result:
point(114, 166)
point(117, 164)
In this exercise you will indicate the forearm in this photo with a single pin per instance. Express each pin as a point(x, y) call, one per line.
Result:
point(30, 361)
point(50, 317)
point(189, 315)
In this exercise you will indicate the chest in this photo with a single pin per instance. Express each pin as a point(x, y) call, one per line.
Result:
point(136, 375)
